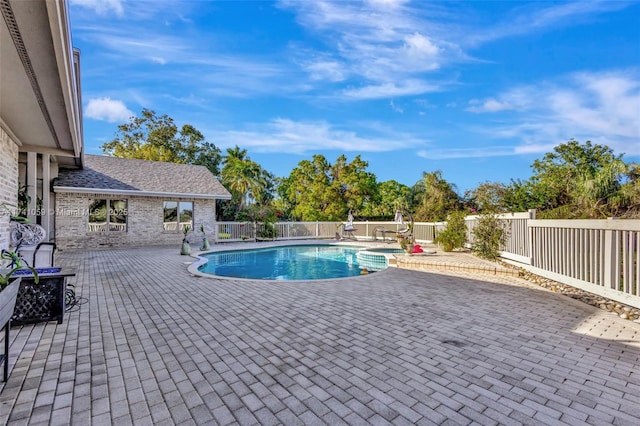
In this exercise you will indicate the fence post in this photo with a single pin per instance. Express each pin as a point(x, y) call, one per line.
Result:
point(530, 234)
point(610, 257)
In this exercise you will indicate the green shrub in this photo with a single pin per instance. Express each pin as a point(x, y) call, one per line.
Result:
point(268, 230)
point(455, 234)
point(489, 235)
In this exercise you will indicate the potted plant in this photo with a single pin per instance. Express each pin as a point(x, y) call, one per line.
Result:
point(406, 238)
point(205, 241)
point(10, 261)
point(10, 264)
point(186, 248)
point(406, 242)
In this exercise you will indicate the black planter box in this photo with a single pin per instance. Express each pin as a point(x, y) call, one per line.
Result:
point(44, 301)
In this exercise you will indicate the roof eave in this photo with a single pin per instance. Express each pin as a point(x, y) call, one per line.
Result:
point(68, 62)
point(139, 193)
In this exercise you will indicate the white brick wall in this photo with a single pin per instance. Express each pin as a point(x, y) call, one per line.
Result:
point(8, 182)
point(144, 222)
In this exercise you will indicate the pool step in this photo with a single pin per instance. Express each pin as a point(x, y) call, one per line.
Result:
point(372, 261)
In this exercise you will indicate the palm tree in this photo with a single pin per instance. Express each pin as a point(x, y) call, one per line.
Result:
point(599, 194)
point(244, 178)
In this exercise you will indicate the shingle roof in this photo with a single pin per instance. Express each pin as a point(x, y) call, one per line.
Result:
point(147, 177)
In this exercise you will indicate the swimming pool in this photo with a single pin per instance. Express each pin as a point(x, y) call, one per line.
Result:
point(295, 262)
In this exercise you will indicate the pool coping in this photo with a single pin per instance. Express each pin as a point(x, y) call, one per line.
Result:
point(432, 260)
point(193, 267)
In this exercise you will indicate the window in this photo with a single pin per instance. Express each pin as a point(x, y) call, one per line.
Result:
point(108, 215)
point(177, 215)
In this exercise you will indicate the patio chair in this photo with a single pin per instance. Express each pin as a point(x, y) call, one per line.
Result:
point(348, 229)
point(43, 255)
point(347, 232)
point(384, 231)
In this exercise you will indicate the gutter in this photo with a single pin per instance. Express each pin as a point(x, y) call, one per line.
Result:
point(139, 193)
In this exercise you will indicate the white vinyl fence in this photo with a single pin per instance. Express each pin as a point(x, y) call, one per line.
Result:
point(598, 256)
point(365, 230)
point(242, 231)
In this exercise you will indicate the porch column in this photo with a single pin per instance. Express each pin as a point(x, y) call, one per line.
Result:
point(32, 184)
point(47, 212)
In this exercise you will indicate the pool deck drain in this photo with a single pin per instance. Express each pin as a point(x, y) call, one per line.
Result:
point(155, 345)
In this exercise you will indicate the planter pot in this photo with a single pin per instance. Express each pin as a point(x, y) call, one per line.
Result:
point(44, 301)
point(8, 301)
point(186, 249)
point(205, 244)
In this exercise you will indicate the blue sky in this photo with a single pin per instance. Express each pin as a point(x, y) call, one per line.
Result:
point(476, 89)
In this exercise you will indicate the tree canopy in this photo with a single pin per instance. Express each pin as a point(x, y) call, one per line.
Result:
point(575, 180)
point(392, 195)
point(434, 197)
point(318, 190)
point(487, 197)
point(149, 137)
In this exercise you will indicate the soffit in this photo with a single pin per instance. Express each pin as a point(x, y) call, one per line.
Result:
point(34, 109)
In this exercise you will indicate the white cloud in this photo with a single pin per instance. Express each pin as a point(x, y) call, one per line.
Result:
point(535, 148)
point(326, 70)
point(600, 107)
point(420, 46)
point(489, 105)
point(158, 60)
point(387, 3)
point(395, 107)
point(289, 136)
point(389, 90)
point(474, 152)
point(133, 54)
point(101, 7)
point(535, 19)
point(376, 44)
point(142, 43)
point(107, 109)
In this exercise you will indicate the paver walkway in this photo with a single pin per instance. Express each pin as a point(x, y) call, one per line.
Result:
point(155, 345)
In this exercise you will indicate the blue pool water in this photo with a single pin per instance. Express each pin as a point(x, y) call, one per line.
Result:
point(300, 262)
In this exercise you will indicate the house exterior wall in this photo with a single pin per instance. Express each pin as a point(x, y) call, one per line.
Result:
point(8, 182)
point(144, 222)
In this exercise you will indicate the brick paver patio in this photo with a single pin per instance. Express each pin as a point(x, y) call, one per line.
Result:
point(155, 345)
